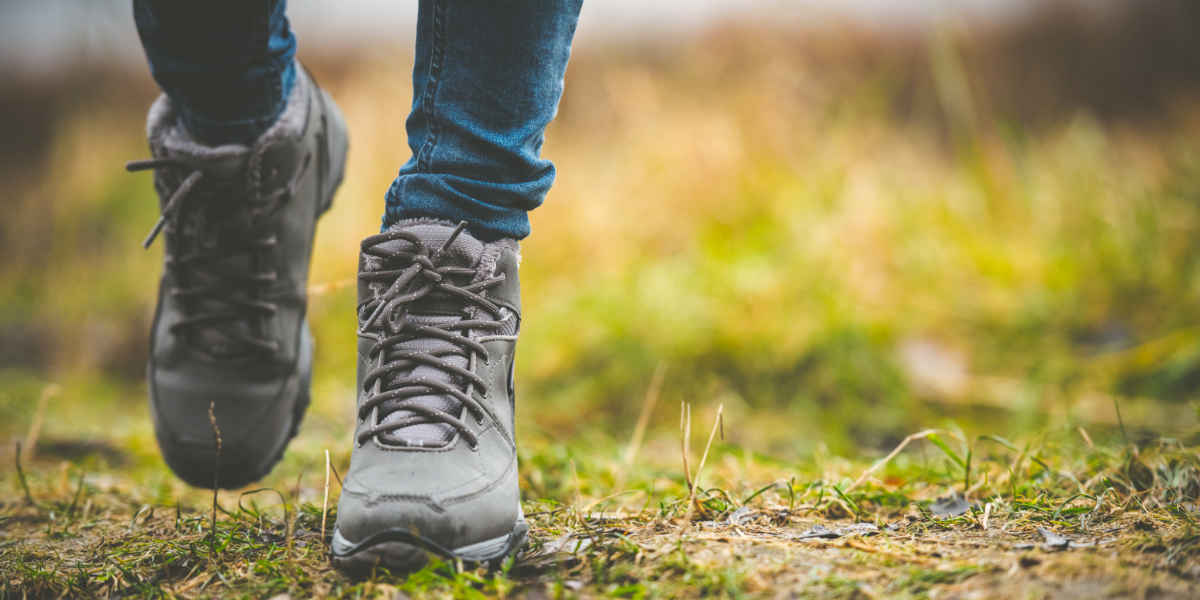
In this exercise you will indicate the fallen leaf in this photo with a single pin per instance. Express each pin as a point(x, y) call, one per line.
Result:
point(817, 531)
point(821, 531)
point(740, 515)
point(1053, 541)
point(950, 506)
point(862, 529)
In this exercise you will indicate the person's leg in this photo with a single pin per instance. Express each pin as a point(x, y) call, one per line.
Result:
point(487, 80)
point(434, 465)
point(247, 153)
point(227, 65)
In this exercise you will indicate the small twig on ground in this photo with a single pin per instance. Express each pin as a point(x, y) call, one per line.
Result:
point(325, 499)
point(639, 431)
point(39, 413)
point(291, 526)
point(21, 477)
point(885, 460)
point(212, 521)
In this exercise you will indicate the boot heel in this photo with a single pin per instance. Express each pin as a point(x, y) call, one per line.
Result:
point(337, 145)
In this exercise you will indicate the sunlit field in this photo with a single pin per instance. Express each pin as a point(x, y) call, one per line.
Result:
point(769, 260)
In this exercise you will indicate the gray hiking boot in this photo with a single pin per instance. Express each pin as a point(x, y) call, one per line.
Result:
point(434, 466)
point(230, 341)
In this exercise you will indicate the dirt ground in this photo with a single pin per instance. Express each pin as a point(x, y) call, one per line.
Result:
point(787, 539)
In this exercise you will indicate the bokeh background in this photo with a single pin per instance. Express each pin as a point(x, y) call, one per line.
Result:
point(843, 220)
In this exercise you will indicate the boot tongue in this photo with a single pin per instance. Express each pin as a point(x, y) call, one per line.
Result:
point(216, 220)
point(434, 310)
point(464, 251)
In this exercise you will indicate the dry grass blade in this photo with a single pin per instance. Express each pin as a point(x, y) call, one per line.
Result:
point(325, 498)
point(336, 476)
point(21, 478)
point(639, 430)
point(1086, 438)
point(703, 458)
point(648, 404)
point(685, 436)
point(212, 522)
point(885, 460)
point(39, 414)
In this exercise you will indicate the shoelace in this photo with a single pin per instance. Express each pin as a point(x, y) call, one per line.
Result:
point(418, 275)
point(219, 295)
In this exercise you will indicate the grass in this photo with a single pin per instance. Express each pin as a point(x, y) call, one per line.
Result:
point(1137, 533)
point(888, 300)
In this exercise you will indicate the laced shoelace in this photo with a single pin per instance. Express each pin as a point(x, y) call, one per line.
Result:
point(219, 295)
point(415, 273)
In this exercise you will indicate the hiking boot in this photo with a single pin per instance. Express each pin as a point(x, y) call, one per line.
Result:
point(230, 349)
point(434, 466)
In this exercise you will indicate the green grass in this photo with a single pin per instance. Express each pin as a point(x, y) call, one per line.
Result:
point(85, 536)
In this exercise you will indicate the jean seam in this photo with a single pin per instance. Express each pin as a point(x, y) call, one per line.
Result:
point(436, 60)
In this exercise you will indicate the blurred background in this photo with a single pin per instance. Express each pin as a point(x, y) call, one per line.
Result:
point(844, 220)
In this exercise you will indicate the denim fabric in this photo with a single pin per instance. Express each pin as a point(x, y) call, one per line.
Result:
point(487, 79)
point(228, 65)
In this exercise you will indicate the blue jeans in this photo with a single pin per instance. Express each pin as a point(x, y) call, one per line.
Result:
point(487, 80)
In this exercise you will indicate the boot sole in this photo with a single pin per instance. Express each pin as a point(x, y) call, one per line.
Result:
point(195, 465)
point(400, 550)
